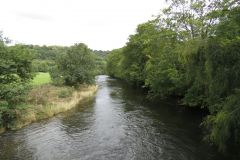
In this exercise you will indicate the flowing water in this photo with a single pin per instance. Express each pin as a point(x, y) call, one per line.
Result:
point(118, 124)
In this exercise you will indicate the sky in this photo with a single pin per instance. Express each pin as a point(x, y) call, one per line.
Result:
point(101, 24)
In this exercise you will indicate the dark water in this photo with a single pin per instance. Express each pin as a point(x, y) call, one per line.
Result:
point(119, 124)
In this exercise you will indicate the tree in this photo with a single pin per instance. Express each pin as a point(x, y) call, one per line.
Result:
point(136, 53)
point(15, 73)
point(114, 62)
point(195, 18)
point(76, 67)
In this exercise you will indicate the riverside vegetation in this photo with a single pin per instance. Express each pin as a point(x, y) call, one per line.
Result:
point(27, 95)
point(191, 51)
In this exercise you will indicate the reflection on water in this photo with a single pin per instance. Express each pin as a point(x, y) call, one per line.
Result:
point(118, 124)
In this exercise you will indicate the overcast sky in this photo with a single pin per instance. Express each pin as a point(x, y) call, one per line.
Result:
point(101, 24)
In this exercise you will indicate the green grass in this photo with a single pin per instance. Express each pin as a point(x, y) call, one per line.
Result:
point(41, 78)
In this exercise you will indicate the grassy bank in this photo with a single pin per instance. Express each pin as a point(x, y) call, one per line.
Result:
point(46, 100)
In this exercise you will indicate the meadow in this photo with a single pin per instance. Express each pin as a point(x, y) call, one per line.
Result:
point(41, 78)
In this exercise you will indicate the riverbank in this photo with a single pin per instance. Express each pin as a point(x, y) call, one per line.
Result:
point(46, 101)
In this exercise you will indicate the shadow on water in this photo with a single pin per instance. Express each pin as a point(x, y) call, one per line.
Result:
point(119, 123)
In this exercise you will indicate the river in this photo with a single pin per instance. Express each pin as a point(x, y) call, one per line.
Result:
point(118, 124)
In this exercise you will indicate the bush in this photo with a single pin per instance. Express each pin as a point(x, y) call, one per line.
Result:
point(224, 128)
point(15, 73)
point(65, 93)
point(57, 78)
point(8, 117)
point(13, 93)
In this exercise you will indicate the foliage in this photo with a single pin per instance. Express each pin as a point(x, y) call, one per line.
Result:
point(47, 52)
point(137, 51)
point(114, 61)
point(15, 73)
point(100, 61)
point(76, 67)
point(100, 65)
point(44, 56)
point(101, 53)
point(191, 50)
point(42, 65)
point(56, 76)
point(224, 125)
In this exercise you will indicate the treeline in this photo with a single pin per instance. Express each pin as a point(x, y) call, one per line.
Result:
point(191, 50)
point(44, 57)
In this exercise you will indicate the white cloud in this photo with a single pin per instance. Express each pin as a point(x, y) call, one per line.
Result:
point(101, 24)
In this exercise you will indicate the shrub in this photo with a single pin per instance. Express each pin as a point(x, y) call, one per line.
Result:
point(15, 73)
point(65, 93)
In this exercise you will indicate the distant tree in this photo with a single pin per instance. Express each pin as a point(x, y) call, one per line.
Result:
point(101, 53)
point(101, 61)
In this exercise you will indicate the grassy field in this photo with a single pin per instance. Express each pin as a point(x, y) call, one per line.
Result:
point(41, 78)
